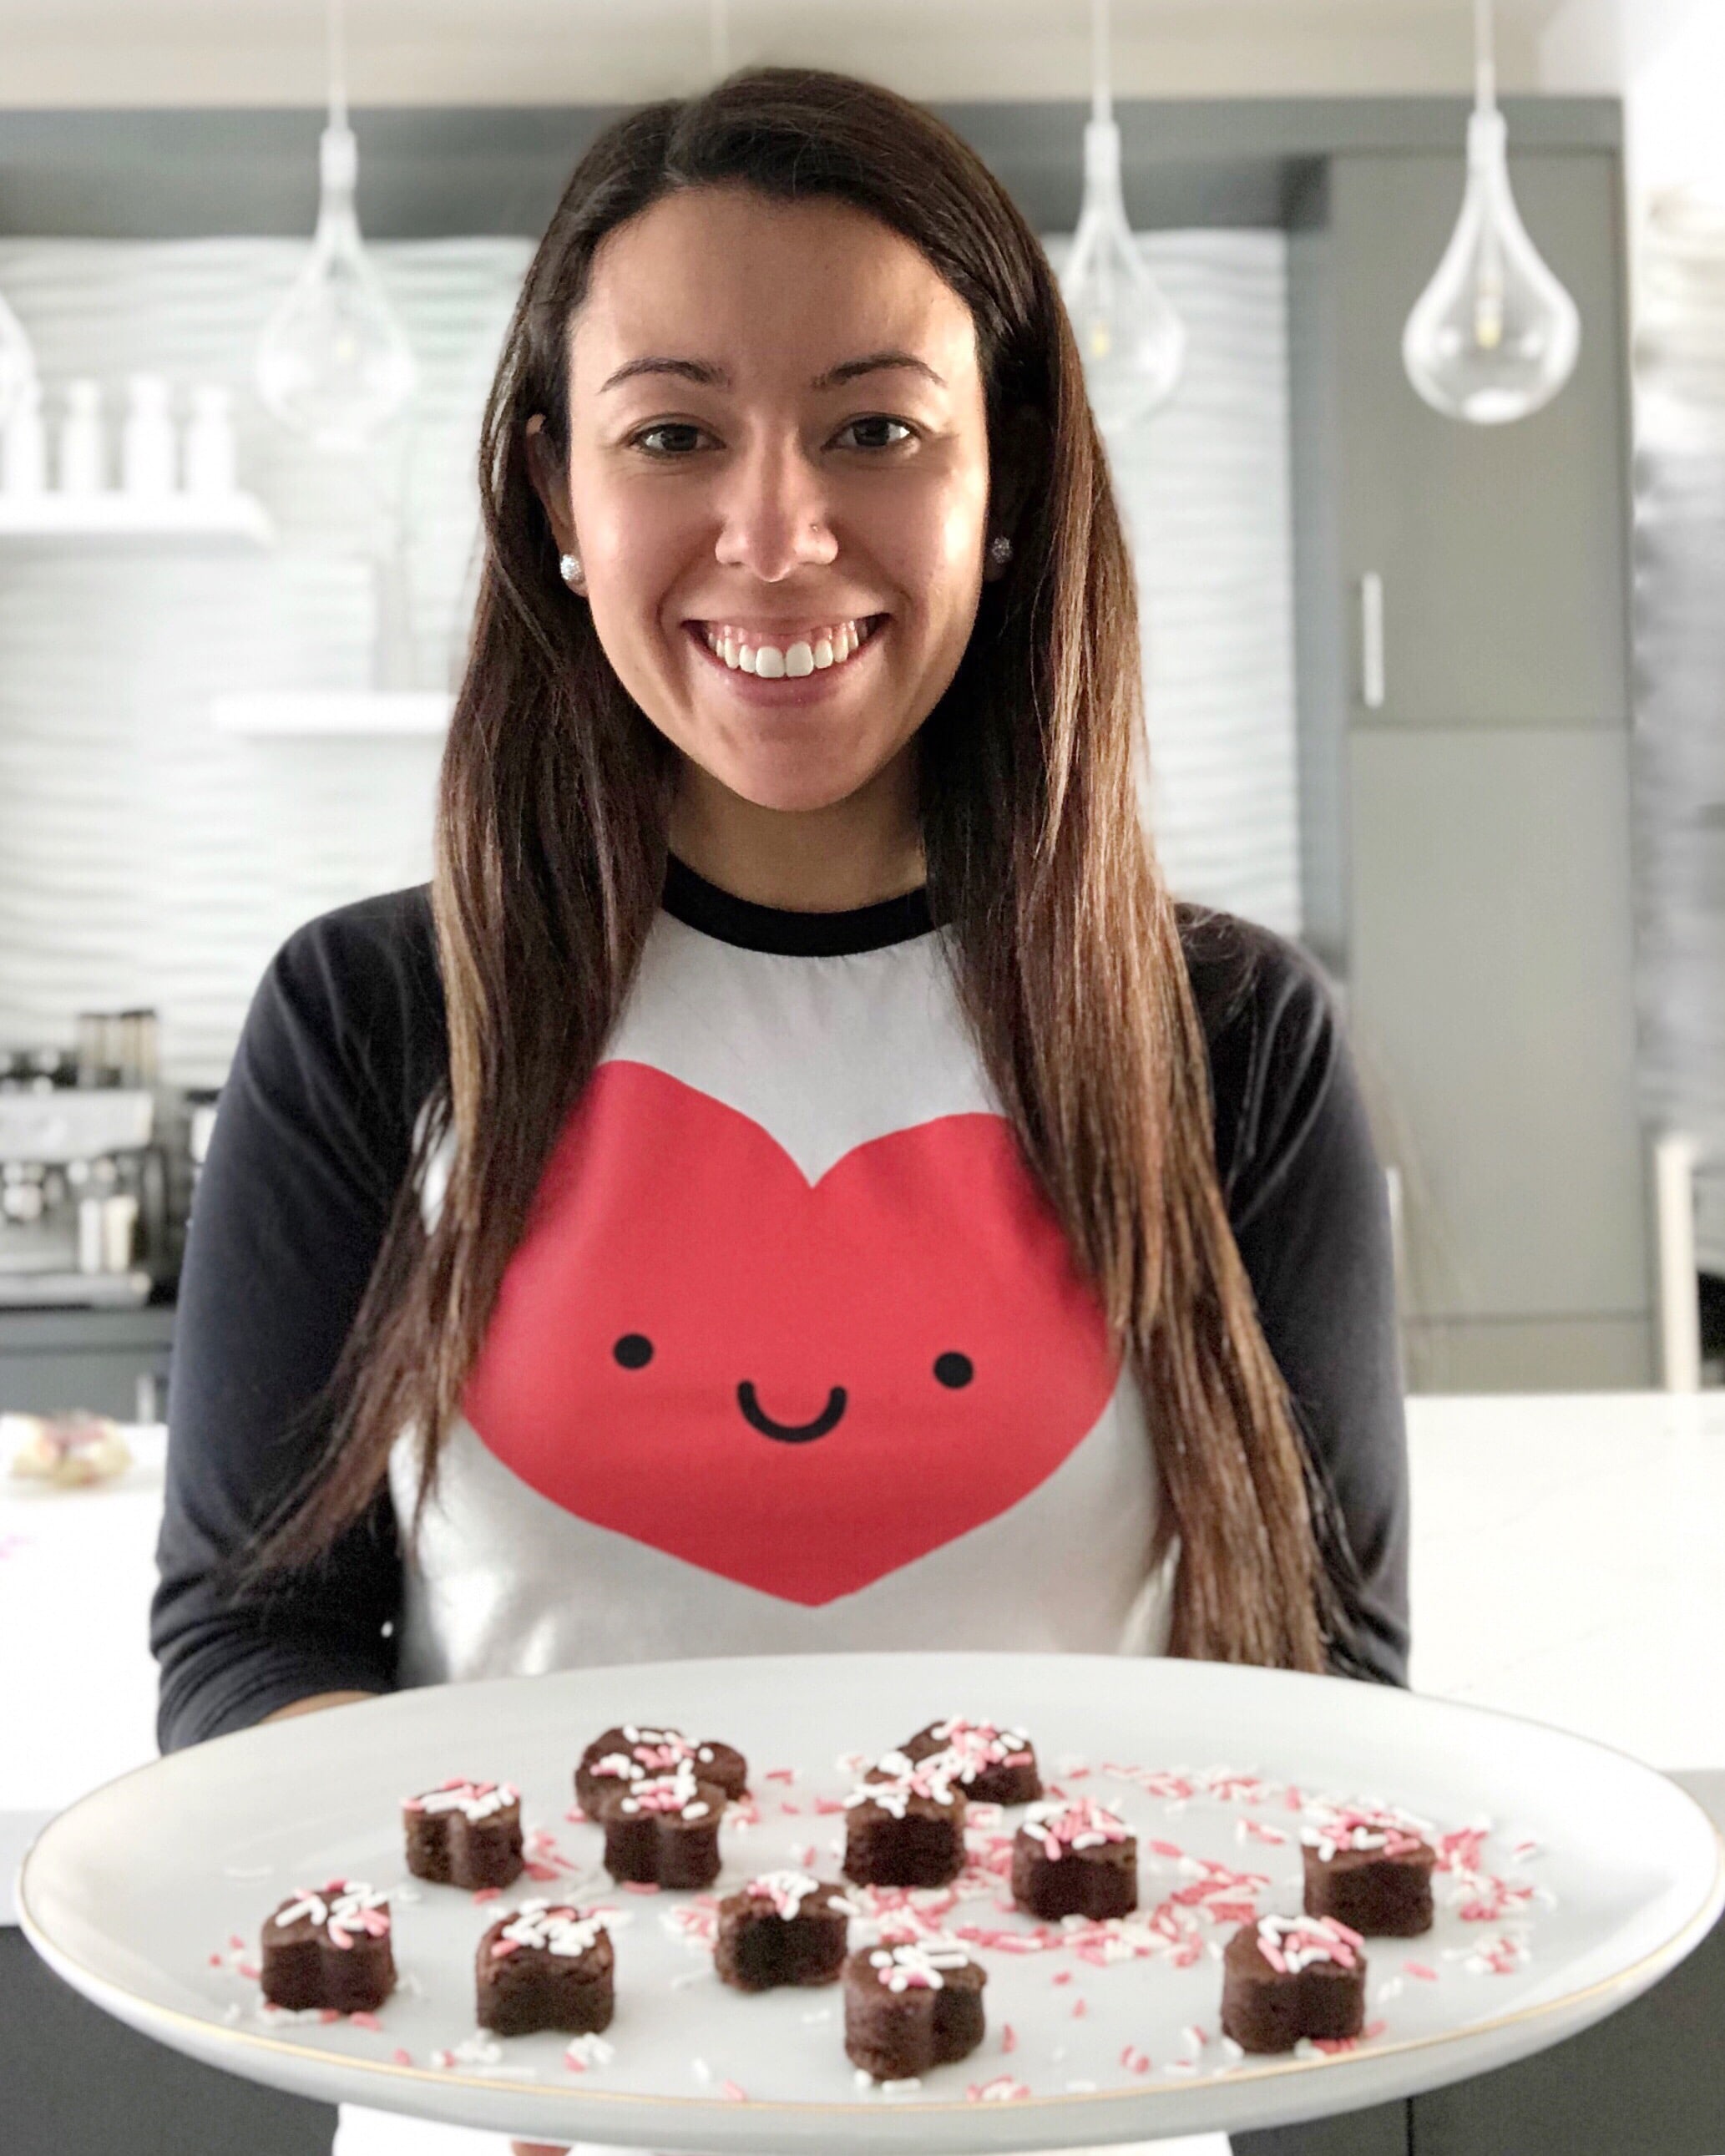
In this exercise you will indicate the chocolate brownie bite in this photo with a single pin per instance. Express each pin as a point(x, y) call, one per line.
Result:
point(631, 1752)
point(1370, 1870)
point(783, 1928)
point(991, 1765)
point(907, 1831)
point(547, 1965)
point(1074, 1858)
point(663, 1830)
point(911, 2007)
point(465, 1833)
point(1287, 1978)
point(330, 1947)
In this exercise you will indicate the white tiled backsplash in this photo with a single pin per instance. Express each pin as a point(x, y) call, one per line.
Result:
point(146, 858)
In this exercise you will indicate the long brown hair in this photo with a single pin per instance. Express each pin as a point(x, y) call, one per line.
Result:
point(1065, 948)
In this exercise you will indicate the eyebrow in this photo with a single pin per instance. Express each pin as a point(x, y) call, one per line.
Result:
point(718, 377)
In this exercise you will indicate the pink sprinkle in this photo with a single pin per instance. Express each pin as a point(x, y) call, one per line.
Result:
point(731, 2093)
point(215, 1961)
point(828, 1805)
point(402, 2058)
point(780, 1774)
point(539, 1872)
point(329, 2014)
point(250, 1969)
point(794, 1811)
point(575, 1816)
point(366, 2022)
point(1061, 1976)
point(575, 2065)
point(639, 1886)
point(1080, 2007)
point(1134, 2060)
point(1419, 1968)
point(235, 1940)
point(1168, 1848)
point(1009, 2037)
point(486, 1893)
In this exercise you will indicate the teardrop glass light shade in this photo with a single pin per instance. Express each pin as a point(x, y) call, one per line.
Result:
point(1494, 336)
point(333, 362)
point(1133, 343)
point(17, 362)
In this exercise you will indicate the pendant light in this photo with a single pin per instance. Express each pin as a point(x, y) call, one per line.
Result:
point(18, 363)
point(1494, 336)
point(1132, 342)
point(333, 362)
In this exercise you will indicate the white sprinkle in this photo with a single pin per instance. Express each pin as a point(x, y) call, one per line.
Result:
point(1233, 2051)
point(1391, 1987)
point(820, 2014)
point(700, 2070)
point(591, 2050)
point(904, 2087)
point(232, 2014)
point(863, 2078)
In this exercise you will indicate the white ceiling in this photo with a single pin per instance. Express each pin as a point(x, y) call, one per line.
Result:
point(411, 52)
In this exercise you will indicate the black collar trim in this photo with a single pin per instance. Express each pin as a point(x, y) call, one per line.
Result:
point(785, 932)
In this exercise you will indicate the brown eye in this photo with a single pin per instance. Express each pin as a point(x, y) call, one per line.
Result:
point(634, 1351)
point(953, 1369)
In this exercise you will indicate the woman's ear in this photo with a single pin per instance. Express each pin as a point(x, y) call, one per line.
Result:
point(550, 482)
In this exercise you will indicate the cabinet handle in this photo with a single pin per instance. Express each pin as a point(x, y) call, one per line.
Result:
point(1371, 640)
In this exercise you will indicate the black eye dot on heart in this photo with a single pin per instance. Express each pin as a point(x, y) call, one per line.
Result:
point(953, 1369)
point(634, 1351)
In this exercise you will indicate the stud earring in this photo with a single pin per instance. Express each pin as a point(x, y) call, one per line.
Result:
point(569, 567)
point(1000, 549)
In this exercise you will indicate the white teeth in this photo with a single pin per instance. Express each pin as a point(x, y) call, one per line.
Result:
point(772, 663)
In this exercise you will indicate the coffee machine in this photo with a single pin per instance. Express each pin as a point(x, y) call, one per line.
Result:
point(94, 1169)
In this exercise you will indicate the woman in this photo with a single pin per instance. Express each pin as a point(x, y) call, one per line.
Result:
point(796, 1036)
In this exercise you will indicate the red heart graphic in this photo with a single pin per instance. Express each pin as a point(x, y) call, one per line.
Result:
point(800, 1387)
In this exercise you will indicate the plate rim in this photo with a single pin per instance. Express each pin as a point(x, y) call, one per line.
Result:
point(1667, 1954)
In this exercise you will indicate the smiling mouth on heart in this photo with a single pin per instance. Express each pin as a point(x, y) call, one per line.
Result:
point(789, 1432)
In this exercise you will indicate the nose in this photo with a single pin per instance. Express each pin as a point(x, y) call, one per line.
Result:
point(774, 512)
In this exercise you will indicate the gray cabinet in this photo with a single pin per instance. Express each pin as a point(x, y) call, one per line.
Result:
point(1503, 550)
point(1465, 840)
point(103, 1362)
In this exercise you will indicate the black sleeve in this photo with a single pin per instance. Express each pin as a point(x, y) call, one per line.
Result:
point(1310, 1211)
point(311, 1140)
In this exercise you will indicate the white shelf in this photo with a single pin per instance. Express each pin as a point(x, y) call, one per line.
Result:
point(334, 711)
point(236, 517)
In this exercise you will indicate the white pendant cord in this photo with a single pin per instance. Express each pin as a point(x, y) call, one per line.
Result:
point(1484, 56)
point(337, 64)
point(1102, 92)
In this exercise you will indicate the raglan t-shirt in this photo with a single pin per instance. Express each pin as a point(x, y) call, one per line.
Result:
point(793, 1354)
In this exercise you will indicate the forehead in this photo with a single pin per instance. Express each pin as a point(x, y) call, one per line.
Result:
point(775, 292)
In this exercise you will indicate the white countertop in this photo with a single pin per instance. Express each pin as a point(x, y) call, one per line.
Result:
point(1567, 1566)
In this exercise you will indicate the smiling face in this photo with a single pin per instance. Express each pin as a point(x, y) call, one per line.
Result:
point(782, 546)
